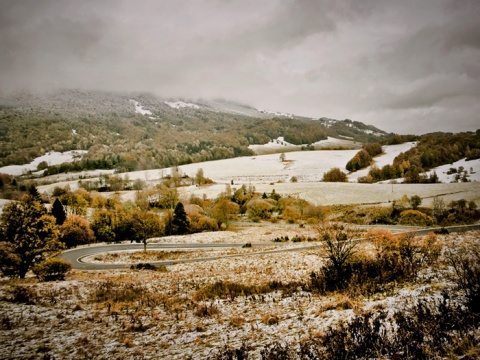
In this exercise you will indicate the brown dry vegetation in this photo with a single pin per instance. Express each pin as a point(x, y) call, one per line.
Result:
point(198, 310)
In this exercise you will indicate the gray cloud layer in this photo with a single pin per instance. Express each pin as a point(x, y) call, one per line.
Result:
point(405, 66)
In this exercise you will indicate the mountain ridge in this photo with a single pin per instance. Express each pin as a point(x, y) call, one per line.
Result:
point(132, 131)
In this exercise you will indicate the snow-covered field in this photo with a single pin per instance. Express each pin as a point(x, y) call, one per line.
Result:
point(279, 145)
point(471, 167)
point(52, 158)
point(268, 172)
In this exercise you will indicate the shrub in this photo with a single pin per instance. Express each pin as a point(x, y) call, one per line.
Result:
point(415, 218)
point(259, 209)
point(291, 214)
point(270, 319)
point(142, 266)
point(205, 310)
point(314, 212)
point(335, 175)
point(398, 259)
point(236, 321)
point(228, 353)
point(360, 160)
point(118, 292)
point(22, 295)
point(225, 289)
point(373, 149)
point(76, 231)
point(382, 239)
point(415, 201)
point(199, 223)
point(52, 269)
point(466, 265)
point(340, 246)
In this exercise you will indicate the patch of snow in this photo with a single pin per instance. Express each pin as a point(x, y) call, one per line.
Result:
point(280, 144)
point(371, 132)
point(181, 104)
point(334, 142)
point(139, 108)
point(275, 113)
point(472, 169)
point(328, 122)
point(52, 158)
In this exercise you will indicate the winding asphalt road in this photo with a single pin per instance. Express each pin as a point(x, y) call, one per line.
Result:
point(76, 256)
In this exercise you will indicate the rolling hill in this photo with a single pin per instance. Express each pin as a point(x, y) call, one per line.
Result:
point(140, 131)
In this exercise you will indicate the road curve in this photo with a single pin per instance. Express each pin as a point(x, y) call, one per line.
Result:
point(75, 256)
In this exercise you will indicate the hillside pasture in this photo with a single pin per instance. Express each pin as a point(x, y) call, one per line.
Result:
point(268, 172)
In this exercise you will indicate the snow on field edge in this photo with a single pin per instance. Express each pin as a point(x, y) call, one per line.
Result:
point(52, 158)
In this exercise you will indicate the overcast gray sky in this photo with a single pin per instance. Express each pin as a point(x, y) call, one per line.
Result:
point(410, 66)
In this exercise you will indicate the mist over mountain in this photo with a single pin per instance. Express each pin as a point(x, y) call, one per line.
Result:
point(398, 65)
point(132, 131)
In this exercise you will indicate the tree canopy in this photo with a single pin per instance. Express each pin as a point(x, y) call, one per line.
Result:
point(28, 235)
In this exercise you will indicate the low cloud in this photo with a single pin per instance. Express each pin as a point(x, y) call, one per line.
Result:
point(375, 61)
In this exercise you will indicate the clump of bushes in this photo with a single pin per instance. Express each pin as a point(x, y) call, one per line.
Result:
point(415, 218)
point(270, 319)
point(296, 238)
point(259, 209)
point(369, 215)
point(231, 290)
point(335, 175)
point(397, 259)
point(302, 238)
point(147, 266)
point(466, 265)
point(205, 310)
point(22, 295)
point(110, 291)
point(361, 160)
point(281, 239)
point(430, 329)
point(52, 269)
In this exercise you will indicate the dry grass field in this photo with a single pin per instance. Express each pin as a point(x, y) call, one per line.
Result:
point(127, 314)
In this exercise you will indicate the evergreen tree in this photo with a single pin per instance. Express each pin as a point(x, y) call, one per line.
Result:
point(58, 212)
point(32, 190)
point(180, 220)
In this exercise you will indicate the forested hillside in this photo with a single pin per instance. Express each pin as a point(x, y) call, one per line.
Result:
point(118, 136)
point(431, 151)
